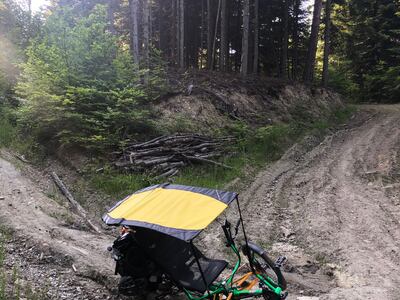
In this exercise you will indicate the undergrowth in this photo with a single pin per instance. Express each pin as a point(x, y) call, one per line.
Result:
point(7, 132)
point(253, 150)
point(10, 137)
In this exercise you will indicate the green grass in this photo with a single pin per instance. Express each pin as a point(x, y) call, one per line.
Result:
point(119, 184)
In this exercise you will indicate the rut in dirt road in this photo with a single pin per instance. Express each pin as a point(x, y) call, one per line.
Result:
point(338, 208)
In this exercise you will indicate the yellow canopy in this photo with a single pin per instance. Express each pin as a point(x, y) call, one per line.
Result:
point(176, 210)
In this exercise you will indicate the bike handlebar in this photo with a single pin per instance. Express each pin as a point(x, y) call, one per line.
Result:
point(228, 234)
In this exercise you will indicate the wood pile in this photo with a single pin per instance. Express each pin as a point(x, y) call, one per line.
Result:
point(166, 155)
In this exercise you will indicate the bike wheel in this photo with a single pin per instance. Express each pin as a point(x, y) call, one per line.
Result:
point(265, 266)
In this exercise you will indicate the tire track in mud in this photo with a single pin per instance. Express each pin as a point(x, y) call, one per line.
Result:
point(329, 211)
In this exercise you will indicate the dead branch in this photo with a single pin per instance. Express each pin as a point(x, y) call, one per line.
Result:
point(79, 209)
point(200, 159)
point(22, 158)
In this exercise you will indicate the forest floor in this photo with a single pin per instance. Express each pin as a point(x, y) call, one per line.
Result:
point(333, 209)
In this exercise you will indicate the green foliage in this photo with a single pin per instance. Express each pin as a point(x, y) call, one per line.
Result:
point(255, 148)
point(366, 49)
point(16, 29)
point(269, 142)
point(10, 137)
point(7, 132)
point(340, 116)
point(341, 79)
point(383, 84)
point(81, 86)
point(119, 185)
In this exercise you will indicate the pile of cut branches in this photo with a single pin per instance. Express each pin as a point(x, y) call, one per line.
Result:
point(166, 155)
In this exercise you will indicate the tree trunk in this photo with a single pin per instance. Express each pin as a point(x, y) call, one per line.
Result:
point(256, 36)
point(173, 33)
point(236, 38)
point(202, 33)
point(146, 31)
point(224, 37)
point(327, 40)
point(193, 34)
point(295, 55)
point(134, 30)
point(181, 34)
point(312, 48)
point(110, 16)
point(210, 33)
point(214, 48)
point(178, 31)
point(151, 23)
point(30, 9)
point(285, 38)
point(146, 38)
point(244, 69)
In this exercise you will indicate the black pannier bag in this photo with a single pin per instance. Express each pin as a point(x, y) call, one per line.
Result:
point(137, 272)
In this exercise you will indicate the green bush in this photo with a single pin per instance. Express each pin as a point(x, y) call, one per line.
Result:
point(89, 117)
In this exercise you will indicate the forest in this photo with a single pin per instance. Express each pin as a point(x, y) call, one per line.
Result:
point(87, 72)
point(286, 110)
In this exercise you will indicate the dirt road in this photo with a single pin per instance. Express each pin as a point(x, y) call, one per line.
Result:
point(338, 210)
point(332, 208)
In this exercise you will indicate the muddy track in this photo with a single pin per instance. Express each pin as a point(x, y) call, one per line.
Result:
point(335, 210)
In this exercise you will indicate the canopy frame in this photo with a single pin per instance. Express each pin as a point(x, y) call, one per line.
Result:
point(149, 208)
point(247, 246)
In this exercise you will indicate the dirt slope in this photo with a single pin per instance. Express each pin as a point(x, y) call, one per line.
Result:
point(338, 209)
point(44, 247)
point(216, 101)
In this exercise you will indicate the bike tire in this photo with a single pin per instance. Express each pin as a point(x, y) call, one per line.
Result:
point(266, 266)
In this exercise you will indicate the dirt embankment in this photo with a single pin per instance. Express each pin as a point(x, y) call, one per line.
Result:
point(50, 248)
point(205, 103)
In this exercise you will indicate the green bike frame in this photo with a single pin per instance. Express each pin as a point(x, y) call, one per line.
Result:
point(227, 287)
